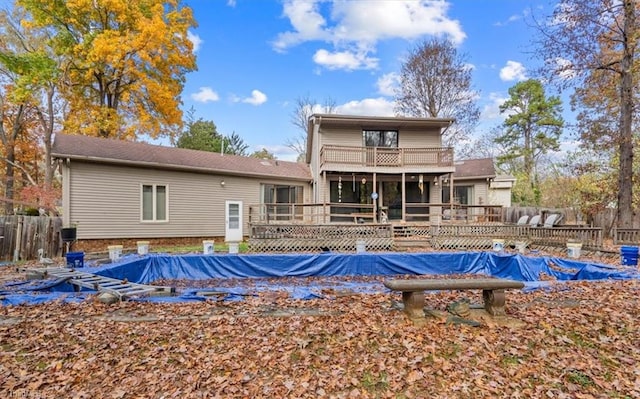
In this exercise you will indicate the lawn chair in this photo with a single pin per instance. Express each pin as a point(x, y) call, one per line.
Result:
point(552, 220)
point(523, 220)
point(535, 221)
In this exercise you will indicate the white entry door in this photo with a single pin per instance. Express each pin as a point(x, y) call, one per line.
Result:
point(233, 221)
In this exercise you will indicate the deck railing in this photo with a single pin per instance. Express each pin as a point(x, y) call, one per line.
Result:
point(341, 212)
point(626, 236)
point(385, 156)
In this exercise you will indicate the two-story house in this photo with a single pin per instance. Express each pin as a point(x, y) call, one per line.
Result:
point(389, 167)
point(358, 169)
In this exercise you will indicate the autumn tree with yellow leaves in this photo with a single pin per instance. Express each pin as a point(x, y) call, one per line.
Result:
point(124, 63)
point(106, 68)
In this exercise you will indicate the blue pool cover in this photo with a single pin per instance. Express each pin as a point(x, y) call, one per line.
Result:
point(149, 268)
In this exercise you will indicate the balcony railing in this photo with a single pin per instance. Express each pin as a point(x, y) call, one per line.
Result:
point(385, 156)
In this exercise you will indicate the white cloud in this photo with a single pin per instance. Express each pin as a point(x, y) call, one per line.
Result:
point(374, 20)
point(563, 67)
point(513, 71)
point(491, 110)
point(344, 60)
point(369, 106)
point(388, 83)
point(257, 98)
point(307, 23)
point(231, 3)
point(509, 20)
point(195, 40)
point(205, 95)
point(361, 24)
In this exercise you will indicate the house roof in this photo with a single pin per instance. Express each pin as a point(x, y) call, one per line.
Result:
point(475, 169)
point(371, 122)
point(100, 150)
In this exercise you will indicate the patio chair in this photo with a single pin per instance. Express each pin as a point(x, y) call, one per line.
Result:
point(552, 220)
point(535, 221)
point(523, 220)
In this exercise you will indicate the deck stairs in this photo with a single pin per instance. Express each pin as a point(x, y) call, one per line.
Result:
point(122, 289)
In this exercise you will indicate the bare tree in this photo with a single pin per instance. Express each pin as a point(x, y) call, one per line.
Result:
point(304, 108)
point(435, 82)
point(586, 37)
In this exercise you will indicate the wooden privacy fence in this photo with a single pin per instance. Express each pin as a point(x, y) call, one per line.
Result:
point(22, 236)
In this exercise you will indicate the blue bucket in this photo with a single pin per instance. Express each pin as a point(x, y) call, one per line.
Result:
point(75, 259)
point(629, 255)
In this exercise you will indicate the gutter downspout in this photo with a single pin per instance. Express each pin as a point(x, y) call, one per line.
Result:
point(65, 170)
point(316, 167)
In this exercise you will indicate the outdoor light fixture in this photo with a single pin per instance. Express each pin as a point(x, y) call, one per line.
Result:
point(222, 183)
point(435, 181)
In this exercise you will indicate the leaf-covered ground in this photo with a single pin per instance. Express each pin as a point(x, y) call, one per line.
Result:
point(577, 340)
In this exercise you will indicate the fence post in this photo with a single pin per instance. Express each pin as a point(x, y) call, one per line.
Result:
point(16, 251)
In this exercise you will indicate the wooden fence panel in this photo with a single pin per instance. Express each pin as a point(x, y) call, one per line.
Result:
point(31, 233)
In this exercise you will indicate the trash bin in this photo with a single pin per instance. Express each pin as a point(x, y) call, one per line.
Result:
point(75, 259)
point(629, 255)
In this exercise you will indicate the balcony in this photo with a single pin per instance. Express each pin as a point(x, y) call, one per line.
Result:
point(333, 157)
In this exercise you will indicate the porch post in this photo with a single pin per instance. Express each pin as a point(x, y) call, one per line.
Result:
point(324, 197)
point(451, 196)
point(404, 196)
point(375, 201)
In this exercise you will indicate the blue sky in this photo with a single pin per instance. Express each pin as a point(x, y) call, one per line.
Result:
point(255, 57)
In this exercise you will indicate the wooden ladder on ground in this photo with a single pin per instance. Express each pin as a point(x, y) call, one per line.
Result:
point(120, 288)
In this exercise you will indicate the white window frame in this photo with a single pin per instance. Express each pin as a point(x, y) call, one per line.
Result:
point(154, 203)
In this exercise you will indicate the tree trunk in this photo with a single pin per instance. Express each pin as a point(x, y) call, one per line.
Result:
point(47, 125)
point(625, 176)
point(9, 179)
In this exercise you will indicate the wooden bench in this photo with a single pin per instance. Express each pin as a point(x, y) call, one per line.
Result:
point(413, 292)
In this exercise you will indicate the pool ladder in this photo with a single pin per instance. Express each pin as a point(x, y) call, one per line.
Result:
point(123, 289)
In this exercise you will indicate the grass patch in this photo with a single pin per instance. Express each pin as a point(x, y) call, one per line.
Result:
point(183, 249)
point(580, 341)
point(579, 378)
point(510, 360)
point(375, 384)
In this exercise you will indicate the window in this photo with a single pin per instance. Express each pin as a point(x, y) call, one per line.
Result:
point(380, 138)
point(154, 203)
point(461, 195)
point(275, 194)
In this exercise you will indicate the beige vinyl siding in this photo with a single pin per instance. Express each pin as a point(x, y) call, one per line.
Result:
point(419, 138)
point(105, 201)
point(346, 137)
point(480, 191)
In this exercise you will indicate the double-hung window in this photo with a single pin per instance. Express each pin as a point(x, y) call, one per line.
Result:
point(154, 203)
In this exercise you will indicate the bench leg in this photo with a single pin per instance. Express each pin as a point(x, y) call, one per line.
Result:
point(494, 302)
point(413, 304)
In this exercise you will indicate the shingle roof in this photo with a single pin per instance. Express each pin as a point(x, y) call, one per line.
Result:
point(149, 155)
point(475, 168)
